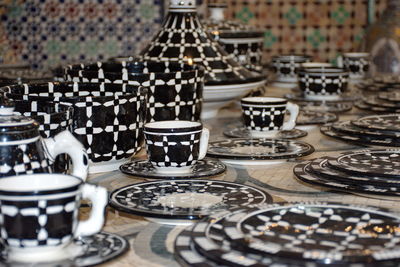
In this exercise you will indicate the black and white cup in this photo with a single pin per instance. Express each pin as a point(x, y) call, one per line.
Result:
point(286, 67)
point(323, 83)
point(357, 63)
point(39, 215)
point(175, 146)
point(265, 116)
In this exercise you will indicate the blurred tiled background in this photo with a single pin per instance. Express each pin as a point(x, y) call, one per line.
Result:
point(46, 33)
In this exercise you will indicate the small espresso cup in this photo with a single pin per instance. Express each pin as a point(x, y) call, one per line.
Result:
point(39, 215)
point(265, 116)
point(175, 146)
point(357, 63)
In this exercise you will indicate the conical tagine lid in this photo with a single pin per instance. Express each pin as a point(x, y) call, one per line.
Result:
point(183, 38)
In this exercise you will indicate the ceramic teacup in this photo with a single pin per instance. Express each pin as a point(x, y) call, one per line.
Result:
point(265, 116)
point(323, 83)
point(39, 215)
point(357, 63)
point(175, 146)
point(286, 67)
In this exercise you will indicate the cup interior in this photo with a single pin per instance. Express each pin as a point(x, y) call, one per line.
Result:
point(315, 64)
point(38, 182)
point(171, 124)
point(262, 100)
point(325, 71)
point(356, 54)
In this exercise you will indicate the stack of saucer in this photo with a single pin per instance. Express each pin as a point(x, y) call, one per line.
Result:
point(379, 84)
point(375, 171)
point(293, 234)
point(376, 130)
point(384, 102)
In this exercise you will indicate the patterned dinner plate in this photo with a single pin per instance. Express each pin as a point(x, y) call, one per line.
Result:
point(367, 107)
point(345, 97)
point(376, 101)
point(203, 168)
point(358, 139)
point(324, 233)
point(387, 122)
point(248, 151)
point(348, 128)
point(334, 107)
point(374, 162)
point(242, 132)
point(95, 249)
point(314, 117)
point(393, 96)
point(184, 199)
point(303, 172)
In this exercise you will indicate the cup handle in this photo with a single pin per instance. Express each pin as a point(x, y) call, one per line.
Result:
point(294, 112)
point(339, 61)
point(205, 135)
point(98, 197)
point(65, 142)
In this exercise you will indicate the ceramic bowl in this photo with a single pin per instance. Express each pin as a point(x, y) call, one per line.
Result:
point(323, 83)
point(175, 90)
point(10, 76)
point(286, 67)
point(108, 119)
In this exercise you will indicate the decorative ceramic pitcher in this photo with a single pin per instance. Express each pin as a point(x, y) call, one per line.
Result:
point(23, 151)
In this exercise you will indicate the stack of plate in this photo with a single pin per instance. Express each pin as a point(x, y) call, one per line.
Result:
point(374, 171)
point(293, 234)
point(376, 130)
point(384, 102)
point(379, 84)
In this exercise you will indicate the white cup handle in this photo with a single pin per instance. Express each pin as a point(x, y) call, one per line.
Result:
point(294, 112)
point(98, 197)
point(65, 142)
point(339, 61)
point(205, 135)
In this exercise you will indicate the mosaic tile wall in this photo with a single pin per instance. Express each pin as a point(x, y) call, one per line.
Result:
point(46, 33)
point(321, 28)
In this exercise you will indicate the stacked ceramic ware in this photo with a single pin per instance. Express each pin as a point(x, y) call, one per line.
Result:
point(183, 38)
point(374, 130)
point(373, 171)
point(292, 235)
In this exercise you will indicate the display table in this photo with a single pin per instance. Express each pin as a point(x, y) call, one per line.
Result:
point(152, 243)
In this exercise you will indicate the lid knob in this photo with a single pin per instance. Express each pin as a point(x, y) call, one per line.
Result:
point(6, 106)
point(182, 5)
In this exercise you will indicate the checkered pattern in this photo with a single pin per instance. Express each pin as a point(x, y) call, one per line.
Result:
point(358, 67)
point(248, 54)
point(23, 159)
point(39, 219)
point(322, 84)
point(183, 39)
point(264, 118)
point(173, 95)
point(173, 150)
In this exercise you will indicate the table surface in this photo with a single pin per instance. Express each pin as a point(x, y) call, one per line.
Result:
point(151, 244)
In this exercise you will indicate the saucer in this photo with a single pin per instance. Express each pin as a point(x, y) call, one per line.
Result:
point(307, 117)
point(334, 107)
point(95, 249)
point(367, 107)
point(203, 168)
point(242, 132)
point(388, 122)
point(184, 199)
point(244, 151)
point(347, 127)
point(345, 97)
point(375, 101)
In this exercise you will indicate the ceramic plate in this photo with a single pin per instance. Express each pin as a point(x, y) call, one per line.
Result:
point(184, 199)
point(323, 233)
point(304, 173)
point(97, 249)
point(258, 149)
point(358, 140)
point(313, 117)
point(347, 127)
point(242, 132)
point(346, 97)
point(388, 122)
point(321, 167)
point(390, 96)
point(364, 106)
point(334, 107)
point(203, 168)
point(384, 163)
point(375, 101)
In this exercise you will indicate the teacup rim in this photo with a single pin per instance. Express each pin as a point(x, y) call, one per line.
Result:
point(263, 100)
point(172, 126)
point(356, 54)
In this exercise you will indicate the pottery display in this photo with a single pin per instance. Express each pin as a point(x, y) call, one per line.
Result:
point(175, 146)
point(108, 118)
point(323, 83)
point(175, 90)
point(183, 38)
point(264, 116)
point(23, 151)
point(286, 67)
point(243, 41)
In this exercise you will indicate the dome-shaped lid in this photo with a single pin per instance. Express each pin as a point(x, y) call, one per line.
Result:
point(15, 127)
point(183, 38)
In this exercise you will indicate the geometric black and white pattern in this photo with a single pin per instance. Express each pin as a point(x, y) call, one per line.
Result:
point(263, 117)
point(175, 90)
point(33, 223)
point(323, 82)
point(387, 122)
point(173, 150)
point(287, 66)
point(108, 119)
point(357, 66)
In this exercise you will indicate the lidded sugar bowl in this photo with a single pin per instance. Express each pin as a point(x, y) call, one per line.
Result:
point(24, 151)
